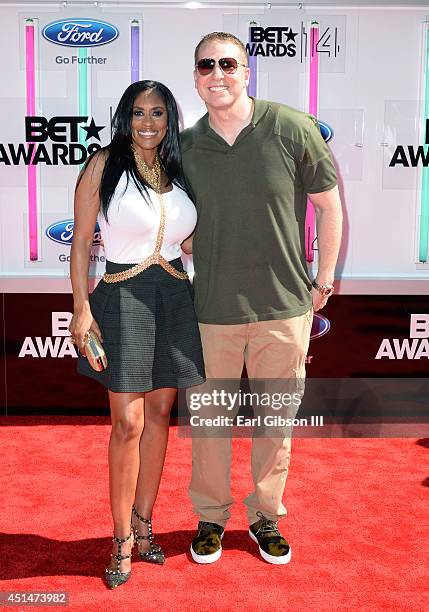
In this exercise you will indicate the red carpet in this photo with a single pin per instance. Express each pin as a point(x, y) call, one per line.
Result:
point(358, 526)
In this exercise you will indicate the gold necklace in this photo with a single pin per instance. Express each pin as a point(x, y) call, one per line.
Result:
point(151, 176)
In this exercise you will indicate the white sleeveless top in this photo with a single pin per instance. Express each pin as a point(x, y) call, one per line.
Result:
point(130, 234)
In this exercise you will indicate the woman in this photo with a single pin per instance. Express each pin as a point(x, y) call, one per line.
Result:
point(143, 314)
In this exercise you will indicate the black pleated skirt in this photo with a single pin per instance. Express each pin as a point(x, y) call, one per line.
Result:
point(150, 331)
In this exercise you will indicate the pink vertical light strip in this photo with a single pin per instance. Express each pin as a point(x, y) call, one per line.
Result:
point(310, 219)
point(31, 110)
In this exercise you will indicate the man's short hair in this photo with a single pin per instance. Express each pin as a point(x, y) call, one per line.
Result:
point(224, 37)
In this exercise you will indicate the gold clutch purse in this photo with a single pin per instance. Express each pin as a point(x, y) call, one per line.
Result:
point(94, 351)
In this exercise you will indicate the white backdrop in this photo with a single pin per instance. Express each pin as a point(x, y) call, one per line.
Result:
point(369, 90)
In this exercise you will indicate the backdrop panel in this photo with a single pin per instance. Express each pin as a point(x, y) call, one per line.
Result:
point(64, 69)
point(356, 336)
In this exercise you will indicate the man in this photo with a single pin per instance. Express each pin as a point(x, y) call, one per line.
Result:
point(250, 165)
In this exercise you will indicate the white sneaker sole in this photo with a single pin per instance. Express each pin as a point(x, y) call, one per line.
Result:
point(207, 558)
point(271, 558)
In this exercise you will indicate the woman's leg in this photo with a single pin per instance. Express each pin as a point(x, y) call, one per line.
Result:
point(127, 411)
point(153, 445)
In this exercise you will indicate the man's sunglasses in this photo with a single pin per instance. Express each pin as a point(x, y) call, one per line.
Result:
point(228, 65)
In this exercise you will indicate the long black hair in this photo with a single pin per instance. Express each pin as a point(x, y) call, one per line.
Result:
point(120, 157)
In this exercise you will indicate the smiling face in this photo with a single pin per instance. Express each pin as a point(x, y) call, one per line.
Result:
point(217, 89)
point(149, 123)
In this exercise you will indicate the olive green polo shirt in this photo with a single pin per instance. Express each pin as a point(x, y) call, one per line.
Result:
point(251, 198)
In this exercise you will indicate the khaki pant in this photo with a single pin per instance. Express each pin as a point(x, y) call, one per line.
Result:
point(270, 350)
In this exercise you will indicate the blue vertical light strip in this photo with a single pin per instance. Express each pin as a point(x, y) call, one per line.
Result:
point(424, 202)
point(253, 65)
point(135, 51)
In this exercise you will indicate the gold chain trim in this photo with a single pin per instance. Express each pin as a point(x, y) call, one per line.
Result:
point(152, 176)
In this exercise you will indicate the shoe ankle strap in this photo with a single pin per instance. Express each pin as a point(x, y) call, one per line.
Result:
point(148, 522)
point(139, 516)
point(143, 537)
point(119, 540)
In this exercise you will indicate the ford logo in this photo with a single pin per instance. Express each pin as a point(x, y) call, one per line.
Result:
point(62, 232)
point(321, 326)
point(326, 131)
point(80, 32)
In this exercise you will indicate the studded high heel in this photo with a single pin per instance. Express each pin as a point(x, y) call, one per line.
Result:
point(115, 578)
point(155, 554)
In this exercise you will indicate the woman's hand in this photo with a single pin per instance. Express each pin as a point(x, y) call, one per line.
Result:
point(82, 321)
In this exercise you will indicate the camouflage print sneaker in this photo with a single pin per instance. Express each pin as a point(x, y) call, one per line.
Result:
point(272, 545)
point(206, 546)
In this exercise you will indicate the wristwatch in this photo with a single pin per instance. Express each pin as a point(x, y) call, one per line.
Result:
point(325, 290)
